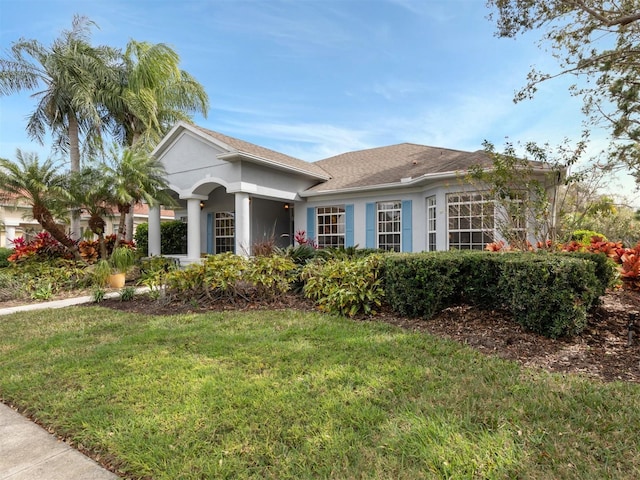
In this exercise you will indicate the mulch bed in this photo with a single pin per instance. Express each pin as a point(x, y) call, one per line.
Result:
point(602, 350)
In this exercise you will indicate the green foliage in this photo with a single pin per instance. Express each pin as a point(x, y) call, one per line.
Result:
point(547, 293)
point(345, 286)
point(520, 189)
point(127, 294)
point(11, 287)
point(122, 259)
point(97, 294)
point(585, 236)
point(141, 236)
point(154, 271)
point(606, 270)
point(222, 274)
point(4, 255)
point(300, 254)
point(56, 275)
point(100, 273)
point(421, 285)
point(173, 238)
point(43, 290)
point(217, 277)
point(271, 275)
point(573, 33)
point(344, 253)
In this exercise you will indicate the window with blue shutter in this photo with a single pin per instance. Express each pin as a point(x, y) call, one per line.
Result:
point(349, 240)
point(370, 225)
point(311, 223)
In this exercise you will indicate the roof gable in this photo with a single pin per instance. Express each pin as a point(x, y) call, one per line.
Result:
point(254, 152)
point(394, 164)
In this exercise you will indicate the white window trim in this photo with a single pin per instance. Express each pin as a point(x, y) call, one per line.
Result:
point(321, 235)
point(397, 207)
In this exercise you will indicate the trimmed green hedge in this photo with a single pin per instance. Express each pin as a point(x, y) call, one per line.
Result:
point(4, 255)
point(547, 293)
point(173, 238)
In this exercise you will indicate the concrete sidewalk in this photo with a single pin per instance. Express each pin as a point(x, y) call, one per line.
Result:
point(66, 302)
point(28, 452)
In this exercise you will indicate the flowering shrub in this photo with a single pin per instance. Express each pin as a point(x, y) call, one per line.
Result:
point(301, 239)
point(90, 249)
point(43, 246)
point(630, 265)
point(626, 259)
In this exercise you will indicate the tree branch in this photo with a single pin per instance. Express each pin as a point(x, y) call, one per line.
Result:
point(624, 20)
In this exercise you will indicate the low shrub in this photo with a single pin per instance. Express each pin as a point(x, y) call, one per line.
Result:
point(154, 272)
point(218, 277)
point(345, 286)
point(421, 285)
point(43, 246)
point(585, 236)
point(5, 253)
point(270, 275)
point(11, 287)
point(549, 294)
point(41, 279)
point(127, 294)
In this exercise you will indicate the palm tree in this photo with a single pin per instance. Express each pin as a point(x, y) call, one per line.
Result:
point(74, 75)
point(135, 176)
point(91, 190)
point(153, 94)
point(43, 188)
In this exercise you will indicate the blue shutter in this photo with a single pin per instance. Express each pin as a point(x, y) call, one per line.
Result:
point(407, 234)
point(311, 223)
point(348, 227)
point(209, 232)
point(370, 225)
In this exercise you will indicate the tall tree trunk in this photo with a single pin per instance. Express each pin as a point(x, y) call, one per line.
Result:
point(123, 209)
point(129, 223)
point(74, 154)
point(45, 219)
point(97, 225)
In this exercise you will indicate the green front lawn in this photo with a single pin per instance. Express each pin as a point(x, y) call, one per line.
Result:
point(291, 395)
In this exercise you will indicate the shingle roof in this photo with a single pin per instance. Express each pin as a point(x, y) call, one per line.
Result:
point(391, 164)
point(271, 155)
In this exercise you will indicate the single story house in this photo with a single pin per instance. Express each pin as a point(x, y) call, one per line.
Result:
point(406, 197)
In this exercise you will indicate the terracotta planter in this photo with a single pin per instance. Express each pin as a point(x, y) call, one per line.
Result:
point(116, 280)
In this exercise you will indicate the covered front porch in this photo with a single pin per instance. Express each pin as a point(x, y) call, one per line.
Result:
point(232, 194)
point(219, 222)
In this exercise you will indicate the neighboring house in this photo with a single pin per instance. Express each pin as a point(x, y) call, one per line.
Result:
point(406, 197)
point(16, 220)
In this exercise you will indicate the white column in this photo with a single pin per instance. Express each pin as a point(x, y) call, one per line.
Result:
point(243, 224)
point(154, 231)
point(193, 230)
point(9, 234)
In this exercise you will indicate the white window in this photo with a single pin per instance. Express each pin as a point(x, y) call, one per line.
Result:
point(471, 220)
point(224, 232)
point(330, 226)
point(389, 225)
point(431, 223)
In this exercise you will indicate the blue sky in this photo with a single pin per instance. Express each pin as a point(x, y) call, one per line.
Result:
point(317, 78)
